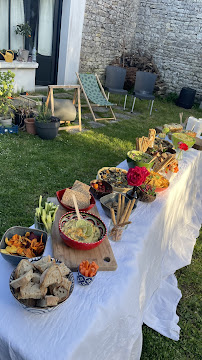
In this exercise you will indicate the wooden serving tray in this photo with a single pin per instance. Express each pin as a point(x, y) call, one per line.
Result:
point(102, 254)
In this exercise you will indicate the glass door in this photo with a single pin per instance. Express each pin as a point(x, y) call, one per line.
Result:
point(44, 17)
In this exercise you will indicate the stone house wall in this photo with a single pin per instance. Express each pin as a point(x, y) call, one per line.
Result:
point(171, 31)
point(109, 25)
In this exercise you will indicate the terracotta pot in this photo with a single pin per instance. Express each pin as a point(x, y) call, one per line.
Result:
point(30, 126)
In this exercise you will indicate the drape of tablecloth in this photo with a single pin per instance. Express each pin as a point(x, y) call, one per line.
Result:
point(104, 320)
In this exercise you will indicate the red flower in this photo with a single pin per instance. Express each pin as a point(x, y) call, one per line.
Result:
point(136, 176)
point(183, 146)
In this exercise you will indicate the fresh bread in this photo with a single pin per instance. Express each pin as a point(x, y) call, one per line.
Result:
point(49, 300)
point(43, 263)
point(23, 267)
point(51, 276)
point(32, 291)
point(36, 278)
point(64, 269)
point(61, 293)
point(22, 280)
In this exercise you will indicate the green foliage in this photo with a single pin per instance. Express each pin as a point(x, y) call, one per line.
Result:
point(6, 89)
point(43, 113)
point(24, 30)
point(172, 97)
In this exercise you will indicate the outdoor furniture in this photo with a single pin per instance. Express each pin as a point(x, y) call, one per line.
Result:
point(76, 96)
point(106, 317)
point(144, 86)
point(114, 82)
point(94, 94)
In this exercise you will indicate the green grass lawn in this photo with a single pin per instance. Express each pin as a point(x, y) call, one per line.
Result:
point(30, 167)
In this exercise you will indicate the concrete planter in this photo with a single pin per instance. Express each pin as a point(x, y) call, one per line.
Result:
point(6, 122)
point(47, 130)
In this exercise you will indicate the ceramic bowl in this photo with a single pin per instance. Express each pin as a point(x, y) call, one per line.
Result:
point(184, 138)
point(99, 193)
point(59, 195)
point(86, 216)
point(134, 159)
point(111, 198)
point(20, 230)
point(41, 310)
point(84, 280)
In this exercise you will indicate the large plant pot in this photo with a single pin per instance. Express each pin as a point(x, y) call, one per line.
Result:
point(48, 130)
point(30, 126)
point(6, 122)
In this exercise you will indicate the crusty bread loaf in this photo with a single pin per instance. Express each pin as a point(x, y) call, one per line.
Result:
point(22, 280)
point(32, 291)
point(23, 267)
point(43, 263)
point(61, 293)
point(36, 278)
point(50, 276)
point(49, 300)
point(64, 269)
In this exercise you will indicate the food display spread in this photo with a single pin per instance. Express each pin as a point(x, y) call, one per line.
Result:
point(46, 282)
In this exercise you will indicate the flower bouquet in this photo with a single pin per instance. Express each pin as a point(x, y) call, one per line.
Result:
point(182, 147)
point(136, 177)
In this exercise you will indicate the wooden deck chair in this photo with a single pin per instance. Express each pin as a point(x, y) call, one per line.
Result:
point(94, 94)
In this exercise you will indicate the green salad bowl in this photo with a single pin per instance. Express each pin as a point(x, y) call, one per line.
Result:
point(184, 138)
point(138, 158)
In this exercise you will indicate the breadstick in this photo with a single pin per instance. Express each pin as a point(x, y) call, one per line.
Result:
point(122, 204)
point(113, 215)
point(119, 209)
point(129, 210)
point(125, 213)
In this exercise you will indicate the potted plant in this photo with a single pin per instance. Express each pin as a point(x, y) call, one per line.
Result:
point(146, 193)
point(6, 114)
point(24, 115)
point(6, 87)
point(46, 125)
point(25, 31)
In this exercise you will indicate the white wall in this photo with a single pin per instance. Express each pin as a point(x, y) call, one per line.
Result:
point(70, 41)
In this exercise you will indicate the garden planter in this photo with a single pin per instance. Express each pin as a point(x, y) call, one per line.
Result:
point(6, 122)
point(24, 55)
point(48, 130)
point(30, 126)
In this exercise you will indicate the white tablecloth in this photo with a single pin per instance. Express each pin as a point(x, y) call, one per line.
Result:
point(104, 320)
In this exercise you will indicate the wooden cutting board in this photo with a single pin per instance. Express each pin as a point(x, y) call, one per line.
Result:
point(102, 254)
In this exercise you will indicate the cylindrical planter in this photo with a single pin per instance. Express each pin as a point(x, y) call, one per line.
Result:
point(6, 122)
point(24, 55)
point(30, 126)
point(47, 130)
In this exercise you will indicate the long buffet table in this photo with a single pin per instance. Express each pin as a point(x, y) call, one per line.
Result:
point(104, 320)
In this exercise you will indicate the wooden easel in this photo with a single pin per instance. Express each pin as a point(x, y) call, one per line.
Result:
point(76, 96)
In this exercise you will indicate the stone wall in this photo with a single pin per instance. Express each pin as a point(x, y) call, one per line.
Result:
point(109, 25)
point(171, 31)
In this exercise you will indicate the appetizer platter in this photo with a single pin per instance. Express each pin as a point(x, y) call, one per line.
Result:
point(116, 177)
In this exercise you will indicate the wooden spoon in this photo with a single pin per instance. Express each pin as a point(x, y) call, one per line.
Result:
point(76, 207)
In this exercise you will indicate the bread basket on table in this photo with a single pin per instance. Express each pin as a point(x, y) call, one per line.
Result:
point(27, 280)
